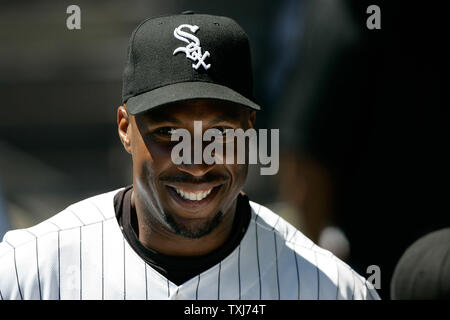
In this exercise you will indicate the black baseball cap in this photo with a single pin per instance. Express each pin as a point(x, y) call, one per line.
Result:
point(185, 57)
point(423, 271)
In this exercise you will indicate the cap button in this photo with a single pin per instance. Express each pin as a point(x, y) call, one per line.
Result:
point(188, 12)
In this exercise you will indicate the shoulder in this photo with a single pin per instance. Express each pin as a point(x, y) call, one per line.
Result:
point(85, 212)
point(22, 248)
point(269, 221)
point(332, 277)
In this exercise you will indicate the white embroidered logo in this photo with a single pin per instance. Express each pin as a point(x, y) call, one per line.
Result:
point(193, 50)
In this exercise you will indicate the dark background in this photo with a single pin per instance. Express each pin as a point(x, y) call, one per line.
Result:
point(363, 114)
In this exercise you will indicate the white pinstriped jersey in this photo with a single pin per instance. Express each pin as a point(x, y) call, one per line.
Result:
point(81, 253)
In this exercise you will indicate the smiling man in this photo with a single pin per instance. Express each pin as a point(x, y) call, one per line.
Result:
point(185, 209)
point(181, 230)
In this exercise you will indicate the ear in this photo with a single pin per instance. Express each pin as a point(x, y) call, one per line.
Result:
point(124, 127)
point(252, 119)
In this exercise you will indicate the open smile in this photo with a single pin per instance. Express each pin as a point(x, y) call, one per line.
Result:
point(192, 196)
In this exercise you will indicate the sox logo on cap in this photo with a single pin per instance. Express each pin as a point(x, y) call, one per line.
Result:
point(193, 50)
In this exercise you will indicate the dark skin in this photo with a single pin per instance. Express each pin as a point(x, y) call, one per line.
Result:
point(166, 222)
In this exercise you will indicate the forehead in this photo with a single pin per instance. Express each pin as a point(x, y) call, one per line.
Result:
point(192, 110)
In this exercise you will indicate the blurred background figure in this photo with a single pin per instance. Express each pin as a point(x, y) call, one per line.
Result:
point(364, 126)
point(322, 73)
point(363, 114)
point(423, 272)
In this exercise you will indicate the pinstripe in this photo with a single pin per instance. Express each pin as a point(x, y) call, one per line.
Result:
point(76, 216)
point(146, 282)
point(17, 274)
point(370, 292)
point(318, 276)
point(38, 273)
point(276, 264)
point(276, 222)
point(15, 265)
point(257, 256)
point(168, 289)
point(298, 276)
point(93, 203)
point(218, 282)
point(337, 283)
point(196, 291)
point(276, 255)
point(293, 236)
point(354, 286)
point(37, 264)
point(364, 284)
point(59, 260)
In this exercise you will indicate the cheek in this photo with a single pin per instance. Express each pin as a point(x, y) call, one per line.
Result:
point(142, 159)
point(150, 159)
point(238, 174)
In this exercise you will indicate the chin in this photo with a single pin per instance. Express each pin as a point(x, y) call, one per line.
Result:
point(193, 228)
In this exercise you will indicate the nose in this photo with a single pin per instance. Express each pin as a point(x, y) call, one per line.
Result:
point(196, 170)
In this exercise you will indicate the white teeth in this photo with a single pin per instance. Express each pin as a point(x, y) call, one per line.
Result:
point(194, 196)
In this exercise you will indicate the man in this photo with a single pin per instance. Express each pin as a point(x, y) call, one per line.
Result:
point(180, 231)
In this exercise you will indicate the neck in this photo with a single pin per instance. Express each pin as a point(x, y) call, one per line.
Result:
point(154, 235)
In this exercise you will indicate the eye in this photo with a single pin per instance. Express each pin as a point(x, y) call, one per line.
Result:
point(165, 131)
point(223, 130)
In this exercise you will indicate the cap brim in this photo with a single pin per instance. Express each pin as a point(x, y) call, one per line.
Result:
point(185, 91)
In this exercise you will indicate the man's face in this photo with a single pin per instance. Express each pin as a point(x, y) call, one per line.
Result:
point(186, 199)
